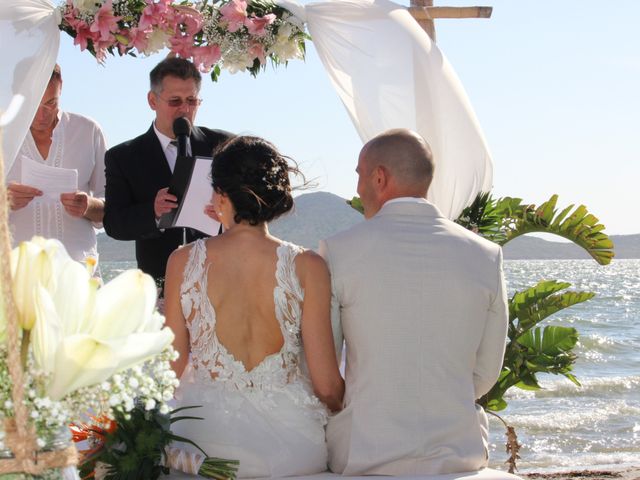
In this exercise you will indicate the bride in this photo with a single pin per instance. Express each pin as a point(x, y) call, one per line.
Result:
point(249, 311)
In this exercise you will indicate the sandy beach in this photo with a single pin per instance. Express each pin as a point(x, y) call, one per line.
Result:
point(605, 474)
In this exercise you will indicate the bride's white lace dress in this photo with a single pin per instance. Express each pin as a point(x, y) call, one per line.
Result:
point(268, 417)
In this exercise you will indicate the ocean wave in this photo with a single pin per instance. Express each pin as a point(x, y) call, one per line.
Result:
point(581, 420)
point(602, 343)
point(562, 461)
point(572, 417)
point(561, 387)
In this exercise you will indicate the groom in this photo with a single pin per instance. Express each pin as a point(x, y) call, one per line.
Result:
point(424, 315)
point(138, 171)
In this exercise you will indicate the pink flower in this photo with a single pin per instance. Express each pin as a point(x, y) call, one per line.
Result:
point(256, 50)
point(157, 14)
point(139, 39)
point(129, 39)
point(100, 47)
point(105, 22)
point(192, 21)
point(182, 45)
point(234, 14)
point(257, 25)
point(206, 57)
point(83, 35)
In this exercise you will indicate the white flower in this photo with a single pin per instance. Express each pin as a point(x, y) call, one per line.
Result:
point(35, 264)
point(150, 404)
point(286, 50)
point(82, 340)
point(164, 409)
point(86, 6)
point(158, 40)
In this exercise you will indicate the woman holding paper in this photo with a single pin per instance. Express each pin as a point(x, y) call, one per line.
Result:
point(56, 184)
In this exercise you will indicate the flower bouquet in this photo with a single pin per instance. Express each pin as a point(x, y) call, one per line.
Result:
point(136, 444)
point(237, 35)
point(81, 348)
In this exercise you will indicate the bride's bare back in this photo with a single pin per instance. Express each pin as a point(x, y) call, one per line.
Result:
point(241, 282)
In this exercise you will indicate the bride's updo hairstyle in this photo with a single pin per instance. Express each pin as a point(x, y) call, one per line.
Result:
point(255, 177)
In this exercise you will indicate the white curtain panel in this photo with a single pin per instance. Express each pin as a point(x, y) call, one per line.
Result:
point(389, 74)
point(29, 40)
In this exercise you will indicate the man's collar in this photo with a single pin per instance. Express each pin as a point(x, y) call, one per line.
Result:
point(164, 140)
point(409, 206)
point(406, 200)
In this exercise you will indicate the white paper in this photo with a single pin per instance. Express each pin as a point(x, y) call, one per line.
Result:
point(197, 196)
point(52, 181)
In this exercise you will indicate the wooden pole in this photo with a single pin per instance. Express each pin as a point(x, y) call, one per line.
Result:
point(425, 13)
point(420, 13)
point(425, 22)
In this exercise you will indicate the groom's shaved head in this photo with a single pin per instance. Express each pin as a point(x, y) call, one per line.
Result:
point(405, 155)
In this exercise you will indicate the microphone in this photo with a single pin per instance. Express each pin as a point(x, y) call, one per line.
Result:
point(182, 130)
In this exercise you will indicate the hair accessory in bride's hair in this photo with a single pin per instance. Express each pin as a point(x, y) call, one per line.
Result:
point(255, 177)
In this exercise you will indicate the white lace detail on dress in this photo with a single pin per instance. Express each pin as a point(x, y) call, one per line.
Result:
point(210, 360)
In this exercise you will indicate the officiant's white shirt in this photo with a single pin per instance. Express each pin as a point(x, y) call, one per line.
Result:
point(77, 143)
point(423, 310)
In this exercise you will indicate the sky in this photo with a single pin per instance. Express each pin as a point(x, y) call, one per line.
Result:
point(555, 86)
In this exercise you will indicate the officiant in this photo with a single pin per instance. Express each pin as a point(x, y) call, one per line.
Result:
point(138, 171)
point(64, 141)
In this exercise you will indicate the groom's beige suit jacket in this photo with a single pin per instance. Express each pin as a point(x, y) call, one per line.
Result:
point(423, 310)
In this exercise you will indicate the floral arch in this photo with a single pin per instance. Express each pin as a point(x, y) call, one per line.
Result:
point(383, 66)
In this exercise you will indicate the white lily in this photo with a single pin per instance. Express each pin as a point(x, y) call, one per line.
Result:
point(35, 263)
point(83, 334)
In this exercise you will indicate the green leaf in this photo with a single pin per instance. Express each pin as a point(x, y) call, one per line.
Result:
point(356, 204)
point(507, 218)
point(531, 306)
point(550, 340)
point(496, 404)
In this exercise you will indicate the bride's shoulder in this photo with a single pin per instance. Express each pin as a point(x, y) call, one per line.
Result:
point(310, 265)
point(181, 255)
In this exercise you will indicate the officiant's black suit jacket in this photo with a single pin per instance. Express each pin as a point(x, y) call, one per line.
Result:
point(135, 171)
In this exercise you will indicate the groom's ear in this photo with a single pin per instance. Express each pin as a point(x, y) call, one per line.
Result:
point(381, 177)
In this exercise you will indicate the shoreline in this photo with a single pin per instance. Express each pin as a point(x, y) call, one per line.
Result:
point(612, 473)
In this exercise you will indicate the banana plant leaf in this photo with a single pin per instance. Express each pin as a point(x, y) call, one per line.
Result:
point(507, 218)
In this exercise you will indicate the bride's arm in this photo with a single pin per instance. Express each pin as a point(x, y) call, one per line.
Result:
point(317, 337)
point(173, 309)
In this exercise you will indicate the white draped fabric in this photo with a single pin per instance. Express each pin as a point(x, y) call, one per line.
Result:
point(389, 74)
point(29, 37)
point(383, 66)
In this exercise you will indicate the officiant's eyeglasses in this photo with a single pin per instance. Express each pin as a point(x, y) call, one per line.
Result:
point(177, 101)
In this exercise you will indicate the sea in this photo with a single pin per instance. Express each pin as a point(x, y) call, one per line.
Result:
point(562, 426)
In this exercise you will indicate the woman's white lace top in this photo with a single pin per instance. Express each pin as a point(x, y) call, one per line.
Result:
point(210, 360)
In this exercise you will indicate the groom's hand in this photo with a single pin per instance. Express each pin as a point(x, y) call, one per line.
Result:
point(164, 202)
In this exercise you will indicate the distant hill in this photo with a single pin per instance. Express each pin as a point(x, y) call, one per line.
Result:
point(529, 248)
point(319, 215)
point(315, 216)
